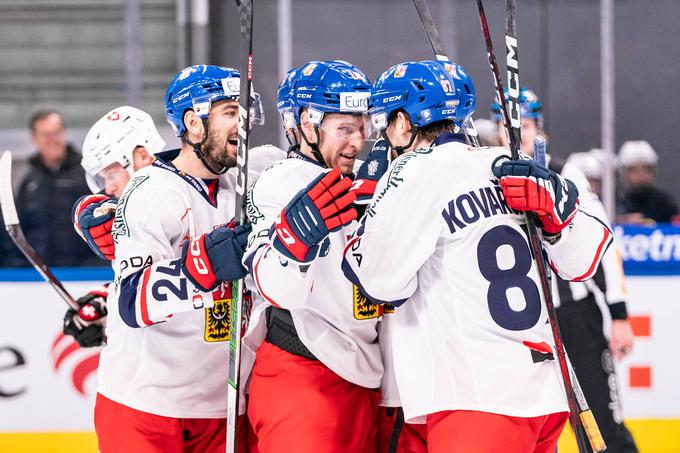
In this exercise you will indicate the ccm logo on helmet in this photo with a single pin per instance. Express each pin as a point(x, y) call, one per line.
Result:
point(448, 111)
point(392, 98)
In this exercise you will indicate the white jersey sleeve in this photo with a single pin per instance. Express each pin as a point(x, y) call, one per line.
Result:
point(148, 239)
point(612, 265)
point(280, 283)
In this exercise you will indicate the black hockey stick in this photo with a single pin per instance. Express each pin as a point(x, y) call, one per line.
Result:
point(13, 227)
point(514, 137)
point(440, 54)
point(245, 8)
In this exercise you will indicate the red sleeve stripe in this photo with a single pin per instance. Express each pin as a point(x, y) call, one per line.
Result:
point(256, 277)
point(598, 256)
point(144, 307)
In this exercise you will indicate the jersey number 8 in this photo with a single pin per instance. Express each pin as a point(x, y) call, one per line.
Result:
point(501, 280)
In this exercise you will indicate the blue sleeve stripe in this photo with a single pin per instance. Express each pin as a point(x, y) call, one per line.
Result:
point(352, 277)
point(127, 307)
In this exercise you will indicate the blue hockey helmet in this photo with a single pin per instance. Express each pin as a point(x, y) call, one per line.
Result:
point(284, 99)
point(530, 105)
point(333, 86)
point(428, 91)
point(197, 87)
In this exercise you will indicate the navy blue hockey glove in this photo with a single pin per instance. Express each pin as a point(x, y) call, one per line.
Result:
point(324, 206)
point(87, 324)
point(529, 186)
point(92, 217)
point(215, 257)
point(370, 172)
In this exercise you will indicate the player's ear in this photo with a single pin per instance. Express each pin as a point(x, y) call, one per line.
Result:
point(403, 124)
point(307, 126)
point(194, 126)
point(141, 157)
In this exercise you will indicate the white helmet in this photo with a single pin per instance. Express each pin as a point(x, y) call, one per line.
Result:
point(114, 138)
point(637, 152)
point(587, 163)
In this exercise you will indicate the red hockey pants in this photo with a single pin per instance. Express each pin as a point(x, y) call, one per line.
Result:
point(121, 429)
point(483, 432)
point(409, 438)
point(299, 405)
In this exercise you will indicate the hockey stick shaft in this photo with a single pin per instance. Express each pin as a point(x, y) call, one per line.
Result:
point(534, 240)
point(13, 227)
point(430, 30)
point(439, 53)
point(245, 8)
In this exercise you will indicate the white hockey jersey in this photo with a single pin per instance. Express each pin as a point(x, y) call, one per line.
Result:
point(472, 330)
point(332, 318)
point(177, 365)
point(612, 265)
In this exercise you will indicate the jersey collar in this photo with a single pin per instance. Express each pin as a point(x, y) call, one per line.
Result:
point(297, 154)
point(207, 191)
point(448, 137)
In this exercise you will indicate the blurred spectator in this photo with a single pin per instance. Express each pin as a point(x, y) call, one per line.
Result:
point(588, 162)
point(642, 201)
point(488, 132)
point(54, 181)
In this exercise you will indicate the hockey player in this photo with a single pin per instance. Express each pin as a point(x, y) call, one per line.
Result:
point(444, 236)
point(121, 142)
point(579, 316)
point(162, 373)
point(314, 384)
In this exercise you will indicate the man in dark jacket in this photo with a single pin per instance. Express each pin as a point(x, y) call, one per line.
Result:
point(55, 180)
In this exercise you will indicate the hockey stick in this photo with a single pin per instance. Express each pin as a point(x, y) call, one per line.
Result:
point(440, 54)
point(585, 414)
point(13, 227)
point(245, 8)
point(514, 137)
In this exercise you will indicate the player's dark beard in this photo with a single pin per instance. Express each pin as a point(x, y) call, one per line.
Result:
point(216, 153)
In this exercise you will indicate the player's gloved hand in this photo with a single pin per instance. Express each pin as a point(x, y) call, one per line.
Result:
point(93, 219)
point(370, 172)
point(324, 206)
point(529, 186)
point(215, 257)
point(87, 324)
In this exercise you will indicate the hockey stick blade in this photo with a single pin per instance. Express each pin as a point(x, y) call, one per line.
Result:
point(13, 227)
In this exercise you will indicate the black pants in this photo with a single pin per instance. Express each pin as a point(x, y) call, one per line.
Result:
point(581, 326)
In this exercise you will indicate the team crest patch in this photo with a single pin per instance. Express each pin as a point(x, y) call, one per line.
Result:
point(217, 317)
point(372, 167)
point(400, 71)
point(307, 71)
point(363, 309)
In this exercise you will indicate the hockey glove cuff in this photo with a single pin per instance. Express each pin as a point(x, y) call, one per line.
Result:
point(370, 172)
point(324, 206)
point(215, 257)
point(93, 219)
point(529, 186)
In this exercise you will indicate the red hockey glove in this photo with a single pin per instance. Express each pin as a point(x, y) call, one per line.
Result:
point(93, 219)
point(529, 186)
point(324, 206)
point(216, 257)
